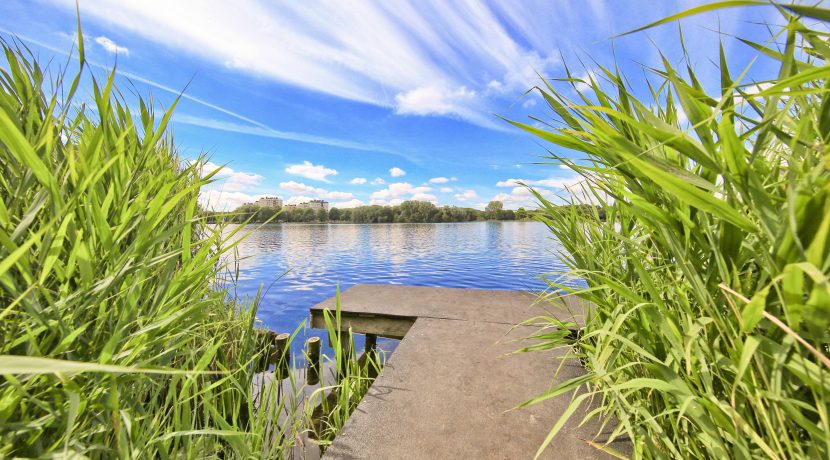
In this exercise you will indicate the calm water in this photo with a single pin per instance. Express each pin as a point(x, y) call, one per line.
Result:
point(299, 265)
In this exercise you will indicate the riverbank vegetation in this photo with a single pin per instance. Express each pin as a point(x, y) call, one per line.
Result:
point(709, 335)
point(119, 333)
point(406, 212)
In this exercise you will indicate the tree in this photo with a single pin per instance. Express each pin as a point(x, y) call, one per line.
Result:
point(493, 210)
point(334, 214)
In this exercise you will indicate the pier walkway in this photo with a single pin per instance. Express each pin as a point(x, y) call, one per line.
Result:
point(447, 390)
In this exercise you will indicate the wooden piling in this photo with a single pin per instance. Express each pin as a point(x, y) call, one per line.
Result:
point(313, 368)
point(370, 352)
point(281, 355)
point(264, 340)
point(371, 343)
point(345, 352)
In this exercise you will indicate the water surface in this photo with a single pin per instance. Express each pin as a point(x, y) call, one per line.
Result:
point(299, 265)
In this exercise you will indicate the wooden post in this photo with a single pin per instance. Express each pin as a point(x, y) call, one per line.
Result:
point(313, 368)
point(371, 343)
point(370, 350)
point(281, 355)
point(345, 352)
point(265, 340)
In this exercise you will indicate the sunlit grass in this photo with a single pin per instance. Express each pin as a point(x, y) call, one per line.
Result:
point(709, 271)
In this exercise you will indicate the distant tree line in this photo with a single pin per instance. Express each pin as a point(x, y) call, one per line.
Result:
point(408, 211)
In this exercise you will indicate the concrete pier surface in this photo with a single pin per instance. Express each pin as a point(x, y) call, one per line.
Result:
point(448, 389)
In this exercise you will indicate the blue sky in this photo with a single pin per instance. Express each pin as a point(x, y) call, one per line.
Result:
point(370, 102)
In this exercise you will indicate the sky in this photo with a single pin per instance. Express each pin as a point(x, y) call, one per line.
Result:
point(361, 102)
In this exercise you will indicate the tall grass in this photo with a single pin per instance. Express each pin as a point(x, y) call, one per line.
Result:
point(708, 274)
point(118, 337)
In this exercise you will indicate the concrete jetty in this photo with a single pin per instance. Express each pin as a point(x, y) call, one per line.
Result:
point(447, 390)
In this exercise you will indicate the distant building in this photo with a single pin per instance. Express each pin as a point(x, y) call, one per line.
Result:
point(317, 204)
point(313, 204)
point(269, 202)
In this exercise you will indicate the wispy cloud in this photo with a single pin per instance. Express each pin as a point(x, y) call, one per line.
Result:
point(433, 45)
point(397, 172)
point(111, 47)
point(277, 134)
point(258, 128)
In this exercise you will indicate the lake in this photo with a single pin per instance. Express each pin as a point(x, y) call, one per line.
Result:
point(299, 265)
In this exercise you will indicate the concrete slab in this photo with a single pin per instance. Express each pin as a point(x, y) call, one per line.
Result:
point(498, 306)
point(448, 389)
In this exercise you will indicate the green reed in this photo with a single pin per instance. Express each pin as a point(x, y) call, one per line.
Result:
point(118, 333)
point(708, 272)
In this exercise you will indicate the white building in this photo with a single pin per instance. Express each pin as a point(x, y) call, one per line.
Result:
point(316, 204)
point(269, 202)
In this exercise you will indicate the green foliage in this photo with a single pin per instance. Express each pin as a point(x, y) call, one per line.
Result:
point(709, 331)
point(407, 212)
point(334, 404)
point(495, 211)
point(118, 335)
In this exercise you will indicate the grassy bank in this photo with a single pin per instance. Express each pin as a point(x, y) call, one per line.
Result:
point(118, 337)
point(709, 275)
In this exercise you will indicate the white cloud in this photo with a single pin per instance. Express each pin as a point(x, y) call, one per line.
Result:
point(520, 197)
point(297, 187)
point(303, 189)
point(585, 84)
point(337, 195)
point(425, 197)
point(339, 53)
point(378, 181)
point(311, 171)
point(399, 190)
point(434, 100)
point(230, 180)
point(439, 180)
point(392, 202)
point(297, 199)
point(508, 183)
point(397, 172)
point(111, 46)
point(358, 181)
point(552, 182)
point(219, 200)
point(353, 203)
point(563, 190)
point(529, 103)
point(446, 189)
point(466, 195)
point(492, 48)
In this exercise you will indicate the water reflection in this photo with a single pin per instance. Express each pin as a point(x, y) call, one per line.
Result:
point(304, 263)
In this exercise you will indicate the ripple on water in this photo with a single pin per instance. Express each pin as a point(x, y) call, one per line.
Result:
point(299, 265)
